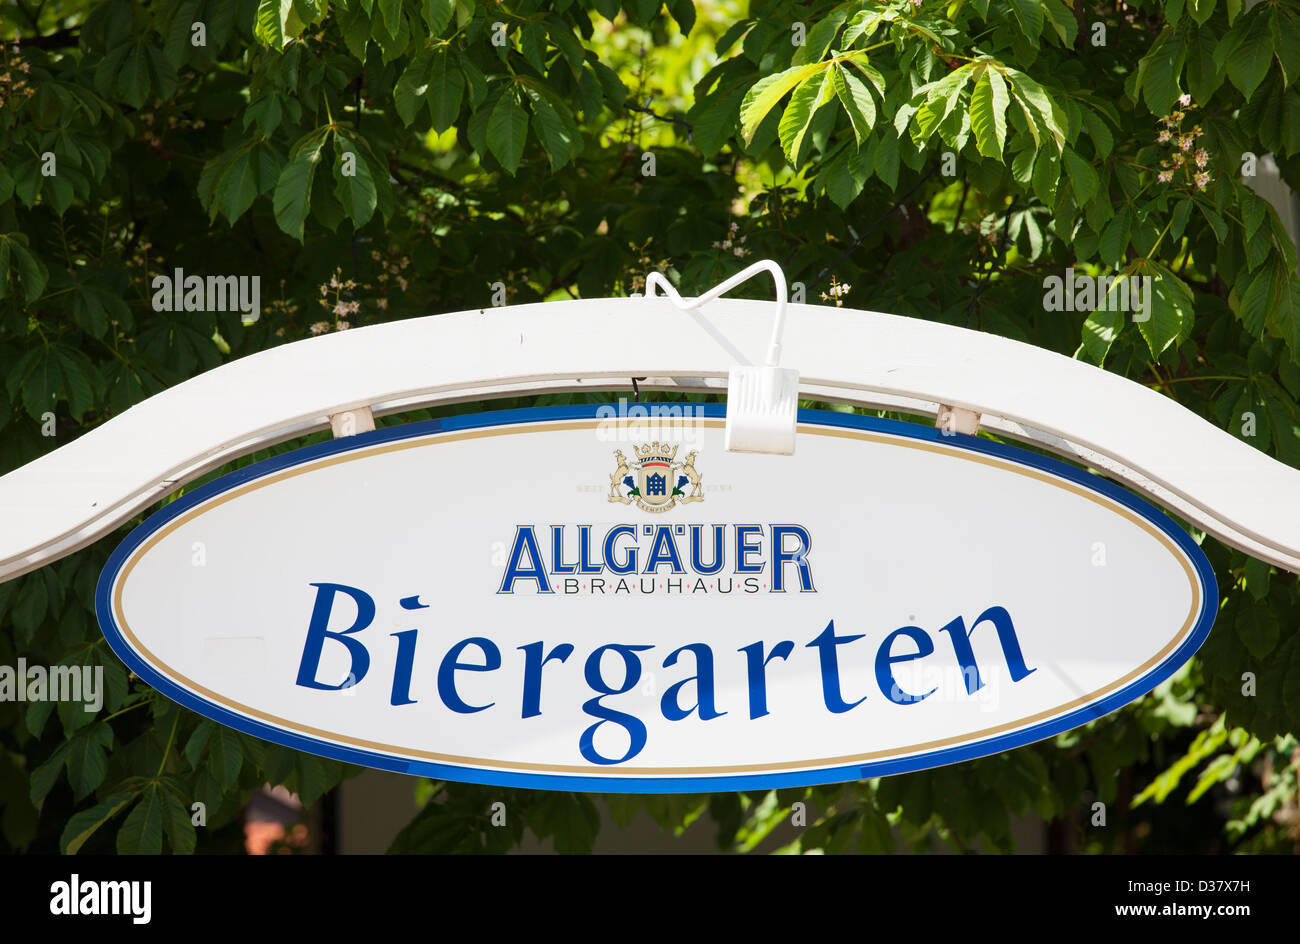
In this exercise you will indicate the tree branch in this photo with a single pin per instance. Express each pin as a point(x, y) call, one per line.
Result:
point(60, 39)
point(987, 275)
point(645, 110)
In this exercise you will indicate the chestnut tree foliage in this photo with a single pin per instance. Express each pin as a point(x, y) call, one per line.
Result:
point(381, 159)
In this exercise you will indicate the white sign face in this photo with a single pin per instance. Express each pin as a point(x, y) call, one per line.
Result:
point(549, 598)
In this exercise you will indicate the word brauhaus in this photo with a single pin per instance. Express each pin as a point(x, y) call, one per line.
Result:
point(517, 677)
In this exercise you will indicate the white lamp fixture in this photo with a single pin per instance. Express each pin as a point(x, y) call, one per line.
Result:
point(762, 401)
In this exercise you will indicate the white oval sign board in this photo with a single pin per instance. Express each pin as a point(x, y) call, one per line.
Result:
point(548, 598)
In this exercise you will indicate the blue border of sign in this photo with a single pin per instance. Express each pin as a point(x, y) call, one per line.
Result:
point(612, 784)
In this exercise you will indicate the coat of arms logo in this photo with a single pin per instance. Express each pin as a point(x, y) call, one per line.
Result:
point(654, 480)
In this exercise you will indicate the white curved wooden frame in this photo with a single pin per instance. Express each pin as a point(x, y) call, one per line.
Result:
point(67, 499)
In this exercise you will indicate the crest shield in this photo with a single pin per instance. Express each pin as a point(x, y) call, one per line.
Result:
point(655, 481)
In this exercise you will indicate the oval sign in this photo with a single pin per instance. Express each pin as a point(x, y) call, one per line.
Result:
point(566, 599)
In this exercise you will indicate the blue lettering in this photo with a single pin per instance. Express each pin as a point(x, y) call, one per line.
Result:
point(671, 706)
point(451, 663)
point(825, 644)
point(630, 561)
point(402, 671)
point(885, 660)
point(635, 728)
point(697, 562)
point(798, 556)
point(525, 546)
point(744, 549)
point(758, 673)
point(585, 566)
point(318, 632)
point(1001, 621)
point(663, 551)
point(558, 566)
point(533, 662)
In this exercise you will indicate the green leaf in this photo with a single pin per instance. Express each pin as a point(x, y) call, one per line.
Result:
point(1063, 21)
point(292, 200)
point(1179, 222)
point(437, 14)
point(162, 72)
point(225, 756)
point(857, 101)
point(820, 37)
point(1258, 629)
point(561, 34)
point(715, 122)
point(1029, 13)
point(1253, 212)
point(177, 823)
point(1047, 173)
point(861, 25)
point(988, 113)
point(1161, 68)
point(42, 384)
point(1215, 220)
point(1115, 237)
point(88, 758)
point(884, 156)
point(1099, 332)
point(59, 192)
point(237, 188)
point(1257, 580)
point(1037, 104)
point(1253, 296)
point(356, 192)
point(31, 270)
point(1286, 33)
point(1204, 74)
point(88, 310)
point(1083, 179)
point(45, 776)
point(1200, 10)
point(683, 11)
point(81, 826)
point(76, 370)
point(446, 89)
point(506, 130)
point(391, 11)
point(393, 41)
point(839, 181)
point(1171, 312)
point(142, 833)
point(532, 42)
point(409, 92)
point(269, 26)
point(555, 126)
point(1102, 140)
point(354, 23)
point(133, 80)
point(808, 96)
point(198, 740)
point(1247, 51)
point(769, 90)
point(176, 44)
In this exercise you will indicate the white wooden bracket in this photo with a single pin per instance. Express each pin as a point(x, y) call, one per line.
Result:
point(956, 419)
point(352, 422)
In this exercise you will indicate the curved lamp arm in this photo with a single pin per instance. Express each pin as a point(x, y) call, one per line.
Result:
point(762, 402)
point(763, 265)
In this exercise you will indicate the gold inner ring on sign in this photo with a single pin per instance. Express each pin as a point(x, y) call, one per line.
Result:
point(482, 763)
